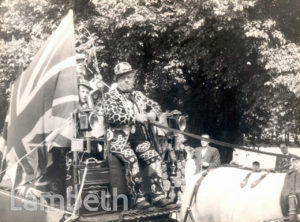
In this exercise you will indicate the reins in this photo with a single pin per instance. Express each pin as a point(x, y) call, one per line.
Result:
point(188, 212)
point(217, 142)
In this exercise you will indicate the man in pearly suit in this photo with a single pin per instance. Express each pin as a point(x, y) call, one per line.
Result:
point(126, 110)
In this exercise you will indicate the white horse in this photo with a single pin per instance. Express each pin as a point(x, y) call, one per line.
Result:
point(222, 198)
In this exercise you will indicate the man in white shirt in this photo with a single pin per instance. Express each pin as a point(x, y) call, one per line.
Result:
point(206, 156)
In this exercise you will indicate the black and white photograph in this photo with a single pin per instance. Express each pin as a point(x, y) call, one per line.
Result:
point(149, 110)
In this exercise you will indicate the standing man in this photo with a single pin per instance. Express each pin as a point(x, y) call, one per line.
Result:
point(283, 163)
point(206, 156)
point(81, 65)
point(84, 94)
point(126, 111)
point(84, 87)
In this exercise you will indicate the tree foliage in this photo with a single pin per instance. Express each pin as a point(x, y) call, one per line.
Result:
point(231, 65)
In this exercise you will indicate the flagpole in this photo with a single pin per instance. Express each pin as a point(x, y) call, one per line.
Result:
point(7, 122)
point(75, 163)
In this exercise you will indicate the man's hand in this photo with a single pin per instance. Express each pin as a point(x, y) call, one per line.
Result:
point(151, 116)
point(205, 164)
point(141, 118)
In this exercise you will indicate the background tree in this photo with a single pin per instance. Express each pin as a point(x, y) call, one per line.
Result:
point(232, 66)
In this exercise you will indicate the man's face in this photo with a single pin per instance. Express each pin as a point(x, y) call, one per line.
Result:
point(126, 82)
point(204, 143)
point(83, 94)
point(80, 67)
point(255, 167)
point(283, 148)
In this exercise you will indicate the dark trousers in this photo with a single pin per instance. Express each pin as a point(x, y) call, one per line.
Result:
point(138, 147)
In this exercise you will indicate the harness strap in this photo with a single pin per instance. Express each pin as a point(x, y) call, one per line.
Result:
point(256, 182)
point(189, 213)
point(194, 195)
point(245, 180)
point(281, 219)
point(292, 200)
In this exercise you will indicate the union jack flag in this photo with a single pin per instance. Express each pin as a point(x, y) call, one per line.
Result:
point(42, 99)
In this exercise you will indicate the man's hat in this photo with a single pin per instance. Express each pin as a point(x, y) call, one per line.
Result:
point(83, 82)
point(80, 57)
point(123, 68)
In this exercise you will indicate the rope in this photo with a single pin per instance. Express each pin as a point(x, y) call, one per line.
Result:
point(228, 145)
point(48, 139)
point(74, 215)
point(23, 157)
point(281, 219)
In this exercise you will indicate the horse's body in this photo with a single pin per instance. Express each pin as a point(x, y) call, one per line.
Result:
point(220, 197)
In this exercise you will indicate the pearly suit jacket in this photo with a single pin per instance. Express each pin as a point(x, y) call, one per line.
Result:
point(120, 117)
point(283, 163)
